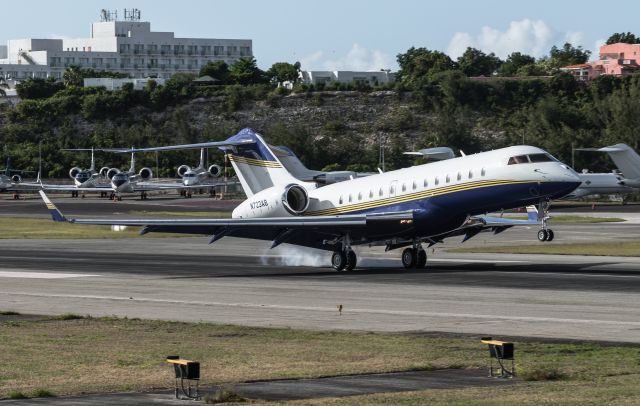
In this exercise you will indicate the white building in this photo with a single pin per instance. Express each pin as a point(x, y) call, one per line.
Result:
point(116, 84)
point(370, 77)
point(121, 46)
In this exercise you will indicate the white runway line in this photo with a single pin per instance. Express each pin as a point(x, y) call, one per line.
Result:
point(331, 309)
point(42, 275)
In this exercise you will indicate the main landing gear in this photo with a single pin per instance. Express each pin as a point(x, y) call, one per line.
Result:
point(414, 257)
point(345, 259)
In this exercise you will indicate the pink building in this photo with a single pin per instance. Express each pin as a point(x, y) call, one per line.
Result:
point(616, 59)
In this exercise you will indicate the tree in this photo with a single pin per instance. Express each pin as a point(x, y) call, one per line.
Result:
point(624, 37)
point(38, 88)
point(73, 76)
point(567, 55)
point(218, 70)
point(281, 72)
point(514, 62)
point(246, 72)
point(476, 63)
point(418, 64)
point(3, 86)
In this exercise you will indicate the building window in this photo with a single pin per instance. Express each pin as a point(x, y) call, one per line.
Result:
point(232, 51)
point(165, 49)
point(245, 51)
point(218, 50)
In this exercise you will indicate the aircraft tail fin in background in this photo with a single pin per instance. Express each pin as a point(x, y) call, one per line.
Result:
point(255, 163)
point(625, 158)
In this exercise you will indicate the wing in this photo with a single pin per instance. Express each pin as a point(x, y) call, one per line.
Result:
point(71, 188)
point(312, 231)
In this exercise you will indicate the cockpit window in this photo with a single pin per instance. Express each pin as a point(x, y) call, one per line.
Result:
point(519, 159)
point(189, 175)
point(541, 158)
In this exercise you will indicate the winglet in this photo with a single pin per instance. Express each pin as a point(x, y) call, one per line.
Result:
point(55, 213)
point(532, 213)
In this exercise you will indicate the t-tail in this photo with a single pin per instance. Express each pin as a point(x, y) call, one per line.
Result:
point(626, 159)
point(255, 163)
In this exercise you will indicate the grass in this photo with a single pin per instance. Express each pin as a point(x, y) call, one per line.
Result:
point(618, 249)
point(33, 228)
point(110, 354)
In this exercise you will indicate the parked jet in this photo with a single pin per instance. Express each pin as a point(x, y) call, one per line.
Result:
point(600, 184)
point(626, 159)
point(11, 179)
point(292, 163)
point(200, 174)
point(397, 209)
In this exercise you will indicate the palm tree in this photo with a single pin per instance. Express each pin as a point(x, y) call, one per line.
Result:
point(73, 76)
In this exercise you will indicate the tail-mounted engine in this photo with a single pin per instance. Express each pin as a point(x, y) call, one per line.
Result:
point(182, 169)
point(103, 171)
point(16, 179)
point(275, 202)
point(73, 172)
point(112, 172)
point(146, 173)
point(215, 171)
point(295, 199)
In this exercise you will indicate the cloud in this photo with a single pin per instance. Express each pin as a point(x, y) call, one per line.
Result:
point(532, 37)
point(358, 58)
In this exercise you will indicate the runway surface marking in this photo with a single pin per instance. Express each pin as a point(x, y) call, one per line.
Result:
point(332, 309)
point(589, 275)
point(42, 275)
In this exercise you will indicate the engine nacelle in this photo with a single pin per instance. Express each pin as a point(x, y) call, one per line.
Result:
point(73, 172)
point(215, 171)
point(103, 171)
point(275, 202)
point(16, 178)
point(146, 173)
point(112, 172)
point(182, 169)
point(634, 183)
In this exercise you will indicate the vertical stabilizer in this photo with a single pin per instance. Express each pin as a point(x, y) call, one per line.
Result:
point(256, 165)
point(626, 159)
point(92, 168)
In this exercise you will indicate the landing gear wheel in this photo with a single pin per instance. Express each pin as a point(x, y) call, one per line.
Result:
point(543, 235)
point(550, 235)
point(421, 259)
point(408, 258)
point(338, 260)
point(352, 260)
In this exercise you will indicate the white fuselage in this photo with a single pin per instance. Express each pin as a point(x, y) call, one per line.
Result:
point(600, 184)
point(404, 187)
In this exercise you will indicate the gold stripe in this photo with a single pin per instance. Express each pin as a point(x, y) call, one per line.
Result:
point(255, 162)
point(413, 196)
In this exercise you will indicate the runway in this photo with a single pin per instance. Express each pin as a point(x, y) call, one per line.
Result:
point(242, 282)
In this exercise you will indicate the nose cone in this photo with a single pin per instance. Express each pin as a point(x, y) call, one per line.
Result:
point(559, 182)
point(119, 181)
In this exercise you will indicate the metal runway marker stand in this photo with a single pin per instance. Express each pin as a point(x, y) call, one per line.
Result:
point(187, 377)
point(502, 352)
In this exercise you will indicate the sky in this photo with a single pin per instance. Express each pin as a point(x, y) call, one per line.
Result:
point(345, 34)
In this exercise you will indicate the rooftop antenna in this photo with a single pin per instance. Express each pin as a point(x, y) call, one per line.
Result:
point(132, 14)
point(108, 15)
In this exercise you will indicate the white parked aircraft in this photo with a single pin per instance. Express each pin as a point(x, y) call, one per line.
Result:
point(402, 208)
point(626, 159)
point(199, 175)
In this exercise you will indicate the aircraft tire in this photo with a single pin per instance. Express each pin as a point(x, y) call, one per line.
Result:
point(338, 261)
point(408, 258)
point(543, 235)
point(550, 235)
point(421, 259)
point(352, 260)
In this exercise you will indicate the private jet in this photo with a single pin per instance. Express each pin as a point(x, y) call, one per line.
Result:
point(404, 208)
